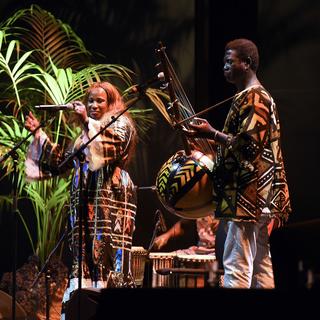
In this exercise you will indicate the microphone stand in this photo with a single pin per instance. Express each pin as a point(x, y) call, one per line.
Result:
point(80, 155)
point(157, 227)
point(13, 153)
point(45, 270)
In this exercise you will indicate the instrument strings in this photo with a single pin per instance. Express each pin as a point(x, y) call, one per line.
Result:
point(185, 108)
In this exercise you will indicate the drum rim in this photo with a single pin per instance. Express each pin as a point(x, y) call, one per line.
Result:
point(164, 255)
point(194, 257)
point(138, 248)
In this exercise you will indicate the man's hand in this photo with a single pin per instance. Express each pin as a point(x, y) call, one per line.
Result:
point(160, 241)
point(200, 128)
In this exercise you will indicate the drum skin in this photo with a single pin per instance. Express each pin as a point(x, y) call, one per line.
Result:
point(185, 187)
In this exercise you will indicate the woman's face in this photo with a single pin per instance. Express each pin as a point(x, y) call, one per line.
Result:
point(97, 103)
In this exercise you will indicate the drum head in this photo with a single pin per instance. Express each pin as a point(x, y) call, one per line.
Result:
point(196, 257)
point(137, 250)
point(185, 187)
point(162, 255)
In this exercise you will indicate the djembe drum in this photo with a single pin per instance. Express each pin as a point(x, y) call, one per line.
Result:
point(162, 260)
point(138, 262)
point(197, 268)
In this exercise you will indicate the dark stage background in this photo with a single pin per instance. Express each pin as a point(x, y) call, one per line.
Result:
point(194, 32)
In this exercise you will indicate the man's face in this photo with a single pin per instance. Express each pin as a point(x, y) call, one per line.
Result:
point(234, 68)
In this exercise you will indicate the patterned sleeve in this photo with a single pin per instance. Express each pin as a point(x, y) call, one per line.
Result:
point(43, 158)
point(254, 114)
point(110, 147)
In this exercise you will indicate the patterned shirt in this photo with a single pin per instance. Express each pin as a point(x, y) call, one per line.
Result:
point(250, 174)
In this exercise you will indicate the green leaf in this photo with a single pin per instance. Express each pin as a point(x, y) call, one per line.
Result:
point(17, 68)
point(10, 50)
point(9, 130)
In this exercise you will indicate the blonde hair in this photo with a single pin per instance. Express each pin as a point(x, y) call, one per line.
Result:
point(115, 103)
point(114, 99)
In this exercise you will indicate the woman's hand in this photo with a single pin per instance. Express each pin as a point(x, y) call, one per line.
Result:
point(81, 112)
point(31, 123)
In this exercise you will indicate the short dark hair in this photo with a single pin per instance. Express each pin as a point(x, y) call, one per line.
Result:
point(245, 49)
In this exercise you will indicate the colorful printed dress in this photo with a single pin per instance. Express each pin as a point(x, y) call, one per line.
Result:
point(109, 200)
point(250, 175)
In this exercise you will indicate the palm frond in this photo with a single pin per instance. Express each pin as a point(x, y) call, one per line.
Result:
point(159, 99)
point(48, 198)
point(5, 203)
point(10, 135)
point(99, 72)
point(38, 28)
point(16, 68)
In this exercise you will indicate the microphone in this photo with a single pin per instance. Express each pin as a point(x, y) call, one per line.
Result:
point(161, 221)
point(54, 107)
point(142, 87)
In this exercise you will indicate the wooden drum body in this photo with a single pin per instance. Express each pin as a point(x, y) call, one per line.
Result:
point(197, 268)
point(162, 260)
point(138, 262)
point(185, 187)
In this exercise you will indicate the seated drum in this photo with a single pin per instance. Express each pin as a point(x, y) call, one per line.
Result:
point(162, 260)
point(197, 267)
point(138, 262)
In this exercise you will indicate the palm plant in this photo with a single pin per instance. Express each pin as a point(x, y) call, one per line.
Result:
point(42, 61)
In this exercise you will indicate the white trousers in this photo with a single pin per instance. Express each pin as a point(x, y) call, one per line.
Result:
point(246, 258)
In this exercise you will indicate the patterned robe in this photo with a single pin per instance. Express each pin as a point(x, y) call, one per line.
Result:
point(250, 174)
point(109, 200)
